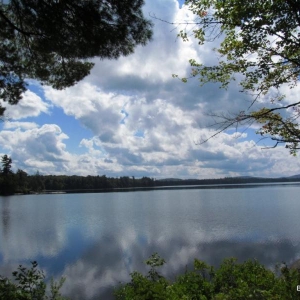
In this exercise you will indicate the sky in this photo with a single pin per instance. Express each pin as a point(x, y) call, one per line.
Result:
point(130, 117)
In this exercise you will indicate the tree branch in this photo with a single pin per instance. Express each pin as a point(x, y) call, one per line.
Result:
point(12, 25)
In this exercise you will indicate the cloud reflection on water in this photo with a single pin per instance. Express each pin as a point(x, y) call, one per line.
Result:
point(96, 240)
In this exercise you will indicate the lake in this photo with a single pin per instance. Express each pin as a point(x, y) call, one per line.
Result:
point(96, 240)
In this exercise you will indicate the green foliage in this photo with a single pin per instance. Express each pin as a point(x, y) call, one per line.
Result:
point(21, 182)
point(154, 262)
point(279, 129)
point(231, 281)
point(267, 29)
point(259, 45)
point(29, 284)
point(51, 41)
point(6, 165)
point(10, 182)
point(7, 185)
point(152, 286)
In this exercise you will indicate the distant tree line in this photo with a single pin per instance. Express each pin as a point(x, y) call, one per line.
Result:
point(21, 182)
point(226, 180)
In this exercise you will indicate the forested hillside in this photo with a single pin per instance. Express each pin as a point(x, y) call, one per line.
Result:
point(20, 182)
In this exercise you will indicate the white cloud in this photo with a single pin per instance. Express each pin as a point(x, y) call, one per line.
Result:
point(22, 125)
point(144, 122)
point(35, 147)
point(31, 105)
point(135, 137)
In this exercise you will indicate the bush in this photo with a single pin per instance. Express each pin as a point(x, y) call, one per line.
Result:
point(29, 284)
point(231, 281)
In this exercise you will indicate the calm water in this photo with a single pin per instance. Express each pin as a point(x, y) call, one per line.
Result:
point(96, 240)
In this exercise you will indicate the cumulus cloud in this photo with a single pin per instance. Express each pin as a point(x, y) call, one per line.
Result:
point(31, 105)
point(157, 138)
point(33, 147)
point(99, 111)
point(143, 121)
point(23, 125)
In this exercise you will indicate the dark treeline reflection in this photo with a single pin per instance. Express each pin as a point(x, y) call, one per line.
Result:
point(21, 182)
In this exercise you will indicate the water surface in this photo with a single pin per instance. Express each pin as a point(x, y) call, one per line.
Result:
point(96, 240)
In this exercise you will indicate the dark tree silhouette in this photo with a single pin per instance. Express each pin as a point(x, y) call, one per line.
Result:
point(51, 41)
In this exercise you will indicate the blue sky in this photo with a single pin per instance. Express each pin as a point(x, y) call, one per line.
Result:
point(130, 117)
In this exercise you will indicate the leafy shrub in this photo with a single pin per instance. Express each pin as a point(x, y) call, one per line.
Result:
point(231, 281)
point(29, 284)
